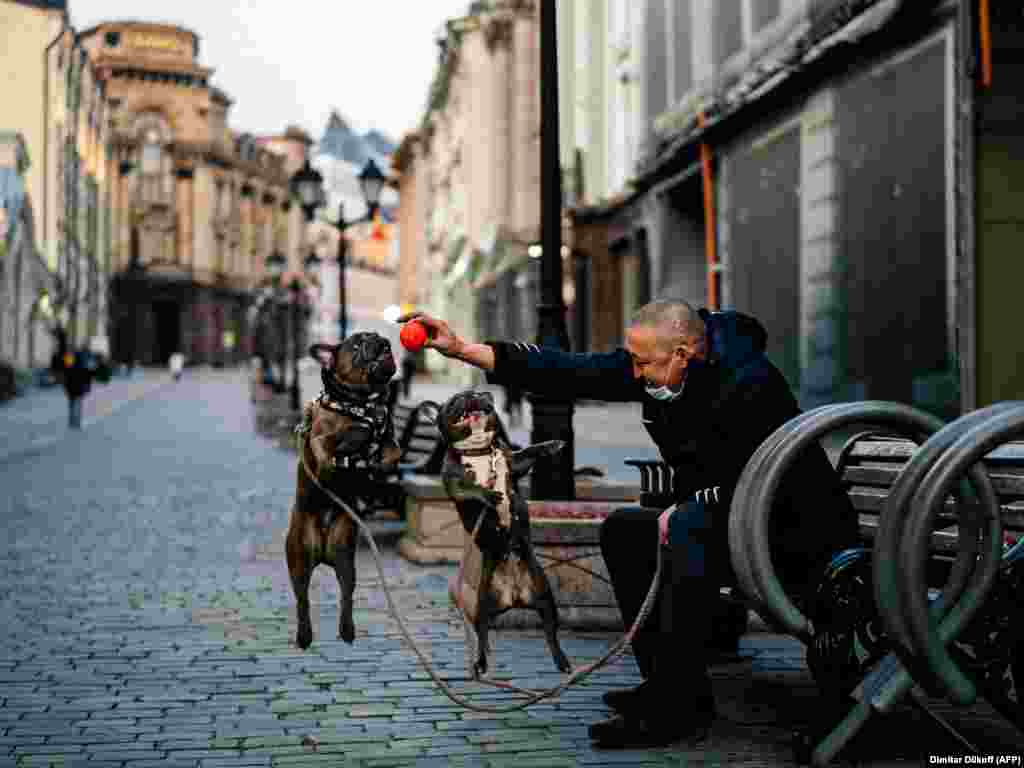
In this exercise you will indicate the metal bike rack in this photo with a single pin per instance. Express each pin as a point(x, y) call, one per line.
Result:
point(739, 550)
point(748, 536)
point(769, 473)
point(888, 593)
point(1002, 423)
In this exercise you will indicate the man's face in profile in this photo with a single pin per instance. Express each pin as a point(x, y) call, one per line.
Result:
point(654, 360)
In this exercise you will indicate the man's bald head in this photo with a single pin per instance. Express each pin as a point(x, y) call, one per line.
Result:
point(675, 321)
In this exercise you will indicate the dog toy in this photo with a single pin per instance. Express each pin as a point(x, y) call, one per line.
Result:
point(413, 336)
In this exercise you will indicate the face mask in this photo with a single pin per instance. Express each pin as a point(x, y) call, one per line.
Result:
point(663, 393)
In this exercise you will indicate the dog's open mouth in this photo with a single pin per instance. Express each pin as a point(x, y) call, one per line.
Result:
point(479, 436)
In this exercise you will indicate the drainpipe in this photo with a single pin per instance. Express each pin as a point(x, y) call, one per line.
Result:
point(965, 143)
point(710, 243)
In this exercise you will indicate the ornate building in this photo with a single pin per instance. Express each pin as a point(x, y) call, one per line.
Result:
point(195, 208)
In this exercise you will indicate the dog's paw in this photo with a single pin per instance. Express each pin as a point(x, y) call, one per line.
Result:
point(347, 631)
point(553, 447)
point(304, 637)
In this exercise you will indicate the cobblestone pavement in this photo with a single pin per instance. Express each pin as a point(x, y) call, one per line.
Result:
point(146, 619)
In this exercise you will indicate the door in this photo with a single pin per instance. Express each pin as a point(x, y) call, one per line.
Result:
point(167, 315)
point(892, 135)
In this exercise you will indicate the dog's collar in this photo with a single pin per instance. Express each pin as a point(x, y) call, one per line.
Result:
point(475, 451)
point(343, 393)
point(371, 412)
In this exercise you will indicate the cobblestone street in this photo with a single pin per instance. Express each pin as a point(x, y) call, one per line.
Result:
point(147, 619)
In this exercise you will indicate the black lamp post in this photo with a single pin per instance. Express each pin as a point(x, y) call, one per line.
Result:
point(275, 266)
point(552, 419)
point(311, 263)
point(308, 186)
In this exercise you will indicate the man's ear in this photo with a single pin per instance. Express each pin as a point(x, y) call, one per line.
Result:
point(325, 354)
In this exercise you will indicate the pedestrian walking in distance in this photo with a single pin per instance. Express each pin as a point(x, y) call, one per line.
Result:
point(177, 363)
point(710, 397)
point(77, 373)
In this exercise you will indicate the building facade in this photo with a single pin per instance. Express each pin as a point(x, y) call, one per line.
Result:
point(841, 170)
point(25, 281)
point(475, 167)
point(196, 209)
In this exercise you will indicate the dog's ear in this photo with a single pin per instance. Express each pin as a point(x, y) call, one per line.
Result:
point(325, 354)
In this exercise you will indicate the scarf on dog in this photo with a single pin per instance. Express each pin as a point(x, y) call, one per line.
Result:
point(367, 408)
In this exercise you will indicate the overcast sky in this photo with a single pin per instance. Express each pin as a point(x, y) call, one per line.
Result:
point(293, 61)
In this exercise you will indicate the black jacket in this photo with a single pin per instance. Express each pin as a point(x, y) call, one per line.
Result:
point(78, 377)
point(729, 405)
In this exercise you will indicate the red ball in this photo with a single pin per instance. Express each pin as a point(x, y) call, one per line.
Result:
point(413, 336)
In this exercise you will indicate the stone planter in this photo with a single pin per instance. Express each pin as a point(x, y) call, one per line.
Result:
point(433, 532)
point(566, 541)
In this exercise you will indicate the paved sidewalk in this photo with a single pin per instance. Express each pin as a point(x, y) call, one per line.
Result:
point(39, 417)
point(146, 619)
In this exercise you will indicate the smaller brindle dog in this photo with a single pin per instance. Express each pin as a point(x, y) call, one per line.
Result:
point(499, 569)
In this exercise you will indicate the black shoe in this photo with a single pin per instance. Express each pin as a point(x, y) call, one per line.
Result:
point(622, 732)
point(624, 699)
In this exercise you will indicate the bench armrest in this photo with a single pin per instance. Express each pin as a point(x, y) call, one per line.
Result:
point(655, 482)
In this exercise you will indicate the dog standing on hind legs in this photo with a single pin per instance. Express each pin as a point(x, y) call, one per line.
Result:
point(344, 434)
point(499, 568)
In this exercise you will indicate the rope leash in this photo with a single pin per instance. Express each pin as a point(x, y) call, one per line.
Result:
point(534, 696)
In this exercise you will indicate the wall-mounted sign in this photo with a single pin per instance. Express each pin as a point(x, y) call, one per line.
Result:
point(155, 42)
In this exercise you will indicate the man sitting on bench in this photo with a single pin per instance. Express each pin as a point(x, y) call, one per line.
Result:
point(710, 397)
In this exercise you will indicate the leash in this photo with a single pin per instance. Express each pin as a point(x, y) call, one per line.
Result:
point(534, 696)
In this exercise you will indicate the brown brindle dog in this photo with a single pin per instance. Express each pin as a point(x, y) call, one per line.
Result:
point(499, 568)
point(345, 433)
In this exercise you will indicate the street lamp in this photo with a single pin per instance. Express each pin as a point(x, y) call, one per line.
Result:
point(552, 478)
point(308, 186)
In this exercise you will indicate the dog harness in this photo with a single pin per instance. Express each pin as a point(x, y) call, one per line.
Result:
point(369, 410)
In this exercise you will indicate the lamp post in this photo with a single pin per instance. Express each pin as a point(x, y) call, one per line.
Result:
point(311, 263)
point(552, 478)
point(275, 266)
point(307, 185)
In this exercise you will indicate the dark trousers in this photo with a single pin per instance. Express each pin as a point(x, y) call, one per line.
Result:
point(75, 412)
point(672, 648)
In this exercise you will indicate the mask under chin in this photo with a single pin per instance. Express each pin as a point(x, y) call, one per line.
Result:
point(664, 393)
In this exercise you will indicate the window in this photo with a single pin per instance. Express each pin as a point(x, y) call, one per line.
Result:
point(764, 12)
point(682, 47)
point(113, 39)
point(657, 48)
point(728, 30)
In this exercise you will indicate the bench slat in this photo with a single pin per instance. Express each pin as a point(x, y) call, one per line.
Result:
point(870, 500)
point(1005, 484)
point(901, 449)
